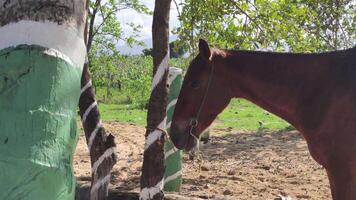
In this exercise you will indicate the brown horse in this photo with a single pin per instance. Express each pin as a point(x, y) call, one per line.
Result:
point(316, 93)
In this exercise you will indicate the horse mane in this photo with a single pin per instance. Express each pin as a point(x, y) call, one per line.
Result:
point(226, 52)
point(219, 52)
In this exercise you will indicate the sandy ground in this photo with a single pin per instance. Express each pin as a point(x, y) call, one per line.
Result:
point(257, 166)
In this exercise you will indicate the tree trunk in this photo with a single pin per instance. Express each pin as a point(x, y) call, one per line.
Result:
point(153, 163)
point(42, 53)
point(72, 13)
point(101, 146)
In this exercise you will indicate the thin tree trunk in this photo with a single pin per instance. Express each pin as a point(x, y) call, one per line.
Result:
point(101, 146)
point(153, 163)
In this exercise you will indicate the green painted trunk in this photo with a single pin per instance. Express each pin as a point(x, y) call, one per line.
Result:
point(173, 157)
point(39, 93)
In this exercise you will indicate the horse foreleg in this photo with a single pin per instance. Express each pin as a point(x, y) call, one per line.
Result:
point(342, 177)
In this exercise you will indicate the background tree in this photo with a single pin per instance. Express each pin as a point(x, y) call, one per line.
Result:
point(103, 32)
point(105, 29)
point(147, 52)
point(152, 178)
point(175, 50)
point(293, 25)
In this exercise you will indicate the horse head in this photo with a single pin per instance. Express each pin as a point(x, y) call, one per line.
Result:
point(203, 96)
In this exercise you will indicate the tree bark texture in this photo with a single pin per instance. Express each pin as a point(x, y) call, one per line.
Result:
point(42, 55)
point(101, 146)
point(71, 12)
point(153, 163)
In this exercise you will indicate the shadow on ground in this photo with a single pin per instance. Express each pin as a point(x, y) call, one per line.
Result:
point(236, 165)
point(82, 193)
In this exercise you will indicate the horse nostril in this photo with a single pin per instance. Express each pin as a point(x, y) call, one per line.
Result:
point(177, 138)
point(173, 136)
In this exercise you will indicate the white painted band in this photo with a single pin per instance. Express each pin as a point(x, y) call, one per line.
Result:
point(173, 177)
point(63, 38)
point(88, 85)
point(152, 137)
point(149, 193)
point(170, 152)
point(156, 134)
point(88, 110)
point(173, 73)
point(57, 54)
point(160, 71)
point(93, 134)
point(100, 183)
point(171, 104)
point(169, 125)
point(100, 160)
point(86, 59)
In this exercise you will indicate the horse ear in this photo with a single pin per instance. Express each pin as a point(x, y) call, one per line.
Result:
point(204, 49)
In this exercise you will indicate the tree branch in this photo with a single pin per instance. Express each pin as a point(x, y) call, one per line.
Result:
point(104, 19)
point(247, 15)
point(177, 7)
point(91, 24)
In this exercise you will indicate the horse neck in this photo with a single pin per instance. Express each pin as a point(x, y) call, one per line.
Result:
point(275, 82)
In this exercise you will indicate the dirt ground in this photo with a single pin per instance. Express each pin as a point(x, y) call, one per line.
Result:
point(257, 166)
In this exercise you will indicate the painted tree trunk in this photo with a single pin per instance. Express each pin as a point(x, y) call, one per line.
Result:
point(101, 146)
point(152, 177)
point(172, 155)
point(42, 53)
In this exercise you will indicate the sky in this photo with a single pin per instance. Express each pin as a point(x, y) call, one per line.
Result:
point(129, 16)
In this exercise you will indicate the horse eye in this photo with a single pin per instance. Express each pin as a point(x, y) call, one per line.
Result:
point(194, 84)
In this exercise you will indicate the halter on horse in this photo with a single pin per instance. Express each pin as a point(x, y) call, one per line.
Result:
point(316, 93)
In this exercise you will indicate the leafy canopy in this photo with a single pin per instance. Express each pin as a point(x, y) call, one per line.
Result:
point(295, 25)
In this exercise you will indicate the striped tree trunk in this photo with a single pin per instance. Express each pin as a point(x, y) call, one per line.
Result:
point(152, 178)
point(42, 53)
point(173, 156)
point(101, 146)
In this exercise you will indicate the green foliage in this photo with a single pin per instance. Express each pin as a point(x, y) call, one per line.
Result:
point(295, 25)
point(147, 52)
point(117, 79)
point(129, 75)
point(105, 29)
point(182, 63)
point(123, 83)
point(175, 50)
point(126, 79)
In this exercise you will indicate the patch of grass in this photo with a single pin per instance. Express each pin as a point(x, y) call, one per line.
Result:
point(116, 96)
point(243, 115)
point(239, 115)
point(123, 113)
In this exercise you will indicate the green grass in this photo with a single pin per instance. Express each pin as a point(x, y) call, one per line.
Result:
point(116, 97)
point(243, 115)
point(239, 115)
point(123, 113)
